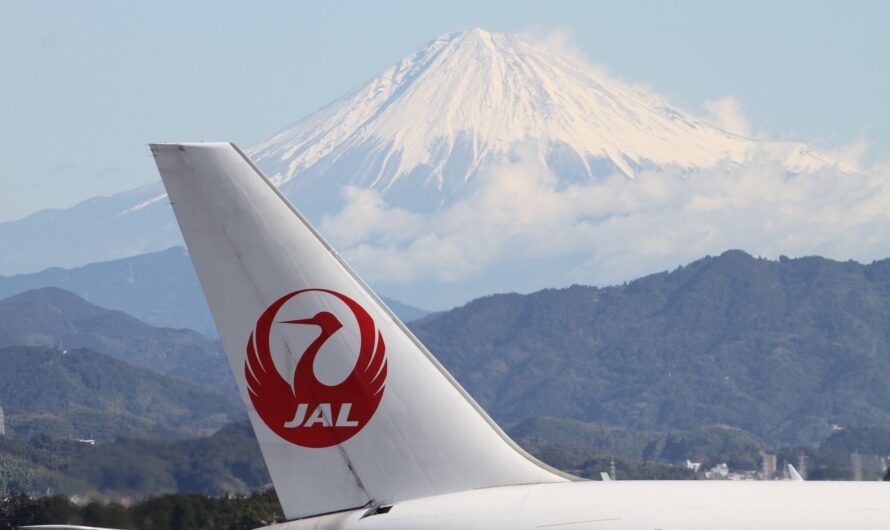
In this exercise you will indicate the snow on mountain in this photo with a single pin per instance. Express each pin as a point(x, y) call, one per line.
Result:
point(468, 99)
point(422, 172)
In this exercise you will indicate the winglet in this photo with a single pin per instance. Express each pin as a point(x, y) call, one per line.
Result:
point(795, 476)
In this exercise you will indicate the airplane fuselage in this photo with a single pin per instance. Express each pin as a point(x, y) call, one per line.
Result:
point(634, 505)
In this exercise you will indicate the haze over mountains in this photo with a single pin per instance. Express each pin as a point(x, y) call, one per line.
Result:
point(488, 162)
point(160, 288)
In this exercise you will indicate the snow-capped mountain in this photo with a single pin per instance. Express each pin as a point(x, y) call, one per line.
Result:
point(427, 125)
point(421, 135)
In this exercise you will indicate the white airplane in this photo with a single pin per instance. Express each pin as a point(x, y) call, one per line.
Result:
point(362, 428)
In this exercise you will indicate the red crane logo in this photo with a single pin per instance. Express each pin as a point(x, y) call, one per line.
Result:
point(310, 413)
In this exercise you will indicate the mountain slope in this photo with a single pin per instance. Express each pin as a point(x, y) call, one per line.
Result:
point(79, 393)
point(52, 317)
point(98, 229)
point(429, 124)
point(710, 445)
point(160, 288)
point(781, 349)
point(226, 463)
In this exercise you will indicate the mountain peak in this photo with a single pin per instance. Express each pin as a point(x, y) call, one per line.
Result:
point(431, 122)
point(52, 298)
point(468, 38)
point(476, 34)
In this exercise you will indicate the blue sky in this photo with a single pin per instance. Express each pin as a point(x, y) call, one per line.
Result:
point(87, 84)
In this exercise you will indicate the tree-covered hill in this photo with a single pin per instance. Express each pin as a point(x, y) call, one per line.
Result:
point(862, 440)
point(787, 349)
point(79, 393)
point(53, 317)
point(166, 512)
point(227, 462)
point(710, 445)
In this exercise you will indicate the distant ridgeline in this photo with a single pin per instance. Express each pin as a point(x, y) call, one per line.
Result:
point(160, 288)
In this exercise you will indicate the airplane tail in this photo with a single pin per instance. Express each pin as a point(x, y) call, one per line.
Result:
point(350, 410)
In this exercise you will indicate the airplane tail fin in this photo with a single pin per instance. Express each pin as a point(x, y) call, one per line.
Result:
point(350, 410)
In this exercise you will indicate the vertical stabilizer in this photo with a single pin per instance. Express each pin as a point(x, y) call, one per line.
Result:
point(349, 408)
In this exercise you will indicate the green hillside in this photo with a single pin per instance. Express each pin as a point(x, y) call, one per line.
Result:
point(787, 349)
point(79, 393)
point(228, 462)
point(52, 317)
point(710, 445)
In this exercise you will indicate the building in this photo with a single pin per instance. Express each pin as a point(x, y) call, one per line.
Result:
point(718, 472)
point(2, 423)
point(768, 465)
point(856, 464)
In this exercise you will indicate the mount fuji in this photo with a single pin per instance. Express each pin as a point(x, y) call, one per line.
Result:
point(421, 131)
point(425, 127)
point(465, 117)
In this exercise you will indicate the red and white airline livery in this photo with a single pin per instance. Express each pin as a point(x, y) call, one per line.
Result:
point(362, 428)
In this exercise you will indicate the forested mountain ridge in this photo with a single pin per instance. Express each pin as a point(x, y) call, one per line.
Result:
point(81, 394)
point(226, 463)
point(786, 349)
point(53, 317)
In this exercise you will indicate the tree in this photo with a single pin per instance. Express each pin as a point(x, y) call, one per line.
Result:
point(175, 511)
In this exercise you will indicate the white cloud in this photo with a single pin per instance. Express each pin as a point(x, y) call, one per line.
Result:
point(615, 229)
point(558, 41)
point(727, 114)
point(366, 216)
point(852, 154)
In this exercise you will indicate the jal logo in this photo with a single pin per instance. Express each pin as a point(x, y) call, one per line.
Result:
point(300, 408)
